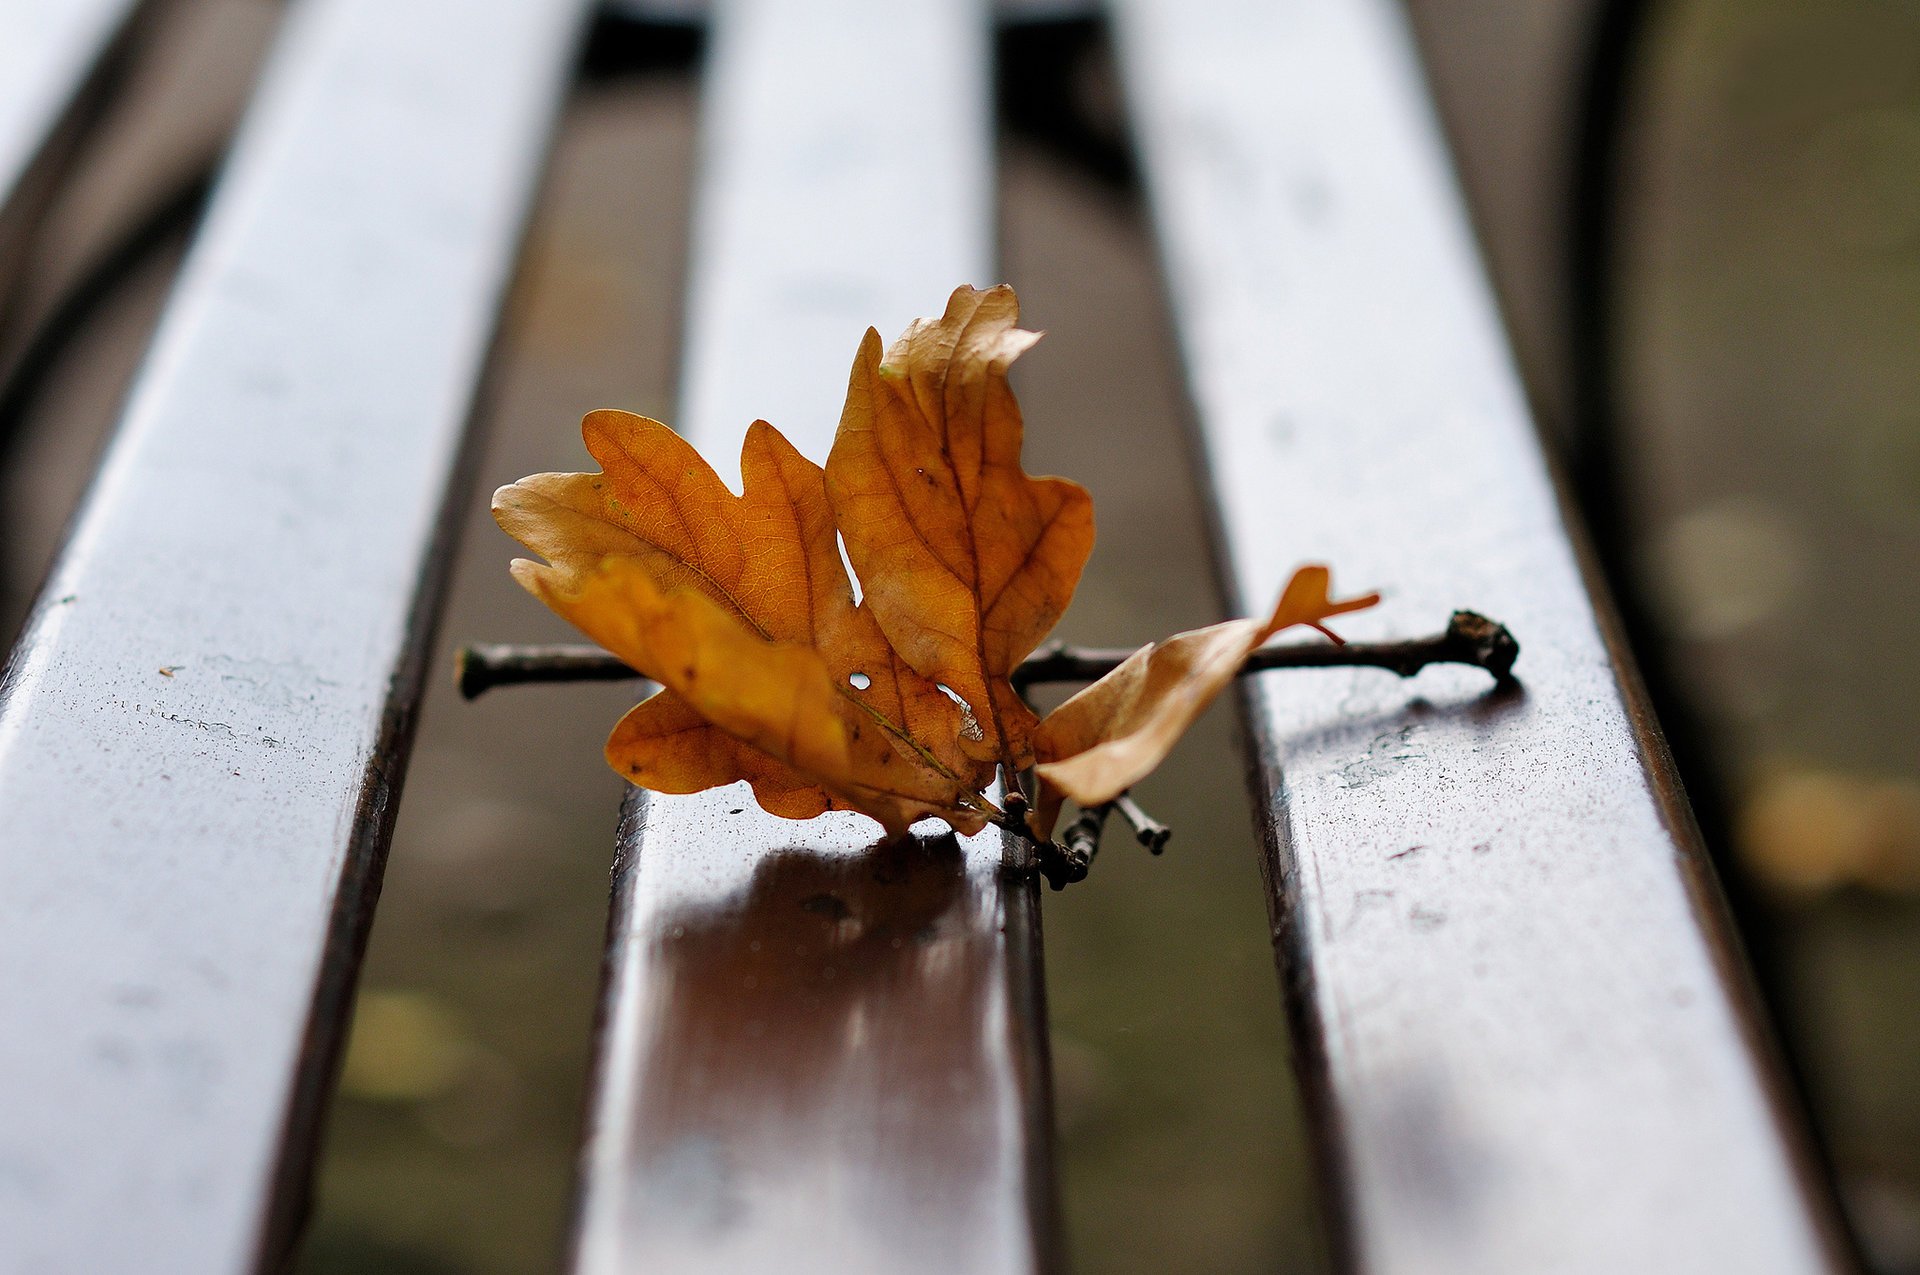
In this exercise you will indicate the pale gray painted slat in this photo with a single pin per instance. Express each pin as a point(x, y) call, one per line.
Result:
point(816, 1056)
point(204, 727)
point(1524, 1023)
point(51, 55)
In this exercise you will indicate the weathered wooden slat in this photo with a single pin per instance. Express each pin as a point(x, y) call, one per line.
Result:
point(815, 1056)
point(204, 728)
point(1523, 1020)
point(52, 55)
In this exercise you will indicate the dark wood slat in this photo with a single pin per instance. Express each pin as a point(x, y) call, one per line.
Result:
point(1005, 11)
point(816, 1055)
point(1524, 1023)
point(204, 728)
point(53, 55)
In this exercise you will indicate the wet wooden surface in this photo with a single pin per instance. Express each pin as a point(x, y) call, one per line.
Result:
point(819, 1055)
point(1523, 1021)
point(52, 57)
point(204, 727)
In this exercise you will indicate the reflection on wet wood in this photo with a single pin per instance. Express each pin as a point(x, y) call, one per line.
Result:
point(817, 1054)
point(821, 1056)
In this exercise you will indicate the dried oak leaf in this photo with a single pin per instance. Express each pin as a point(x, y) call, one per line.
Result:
point(1113, 733)
point(740, 608)
point(898, 705)
point(966, 560)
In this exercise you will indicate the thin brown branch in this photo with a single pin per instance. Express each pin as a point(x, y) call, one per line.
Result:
point(1147, 830)
point(1469, 638)
point(479, 668)
point(1061, 864)
point(1083, 834)
point(1068, 860)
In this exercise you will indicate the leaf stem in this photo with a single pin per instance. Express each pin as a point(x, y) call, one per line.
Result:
point(1469, 638)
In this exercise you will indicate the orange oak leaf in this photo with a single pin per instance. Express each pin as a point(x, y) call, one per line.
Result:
point(966, 561)
point(1113, 733)
point(897, 703)
point(663, 743)
point(741, 608)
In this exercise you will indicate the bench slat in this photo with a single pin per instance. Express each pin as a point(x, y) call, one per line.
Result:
point(1523, 1020)
point(815, 1056)
point(51, 55)
point(204, 728)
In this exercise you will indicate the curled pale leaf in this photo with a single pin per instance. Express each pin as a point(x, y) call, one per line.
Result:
point(965, 559)
point(1113, 733)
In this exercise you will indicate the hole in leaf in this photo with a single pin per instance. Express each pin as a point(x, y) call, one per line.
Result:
point(970, 725)
point(853, 577)
point(860, 681)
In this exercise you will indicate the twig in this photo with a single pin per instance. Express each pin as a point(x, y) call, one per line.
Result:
point(478, 669)
point(1083, 834)
point(1060, 862)
point(1070, 858)
point(1469, 638)
point(1061, 865)
point(1147, 830)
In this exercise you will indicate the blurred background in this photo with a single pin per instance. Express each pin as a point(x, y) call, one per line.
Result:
point(1703, 219)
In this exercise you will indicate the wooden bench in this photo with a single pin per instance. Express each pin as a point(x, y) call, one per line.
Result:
point(1519, 1011)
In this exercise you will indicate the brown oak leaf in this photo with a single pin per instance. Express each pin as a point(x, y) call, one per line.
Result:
point(966, 561)
point(740, 607)
point(898, 704)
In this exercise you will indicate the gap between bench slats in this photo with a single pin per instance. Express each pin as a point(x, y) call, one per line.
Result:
point(53, 54)
point(204, 728)
point(816, 1056)
point(1524, 1024)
